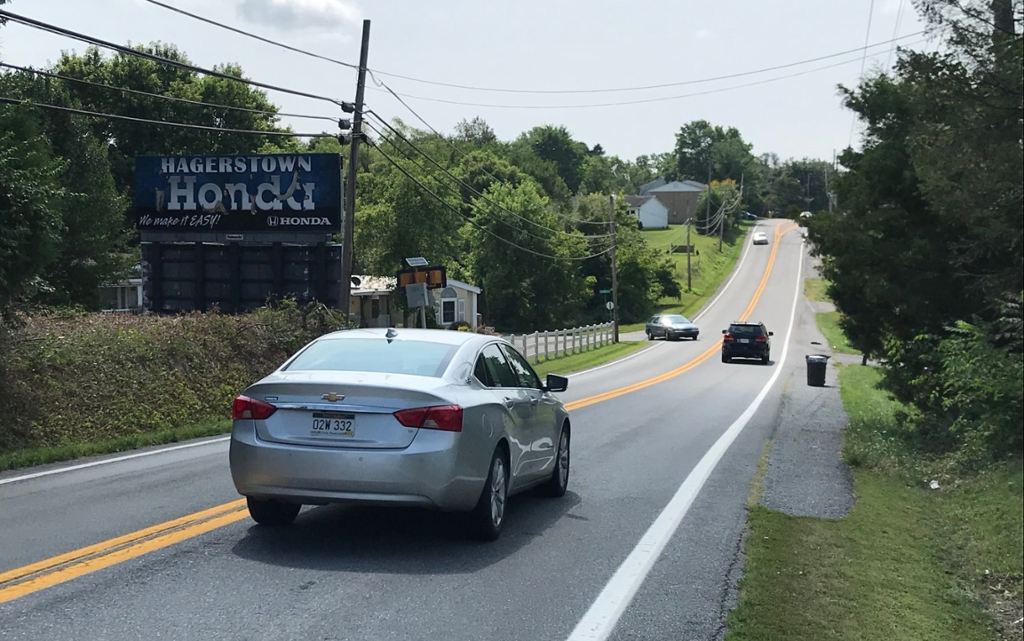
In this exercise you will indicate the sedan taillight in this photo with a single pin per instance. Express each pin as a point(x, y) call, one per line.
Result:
point(761, 339)
point(447, 418)
point(727, 338)
point(245, 408)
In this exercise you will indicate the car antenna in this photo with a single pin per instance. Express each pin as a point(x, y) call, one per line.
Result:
point(392, 334)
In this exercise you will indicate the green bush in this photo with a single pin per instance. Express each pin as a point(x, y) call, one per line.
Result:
point(67, 379)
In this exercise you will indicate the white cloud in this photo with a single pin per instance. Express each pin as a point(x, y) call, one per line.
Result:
point(704, 34)
point(291, 15)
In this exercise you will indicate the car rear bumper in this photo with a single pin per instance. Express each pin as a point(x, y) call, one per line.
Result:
point(425, 474)
point(741, 350)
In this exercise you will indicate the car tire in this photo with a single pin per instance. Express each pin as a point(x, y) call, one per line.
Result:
point(726, 359)
point(650, 336)
point(556, 486)
point(272, 513)
point(766, 358)
point(488, 517)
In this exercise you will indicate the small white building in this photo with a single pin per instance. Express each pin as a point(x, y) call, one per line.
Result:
point(456, 302)
point(123, 296)
point(370, 300)
point(649, 211)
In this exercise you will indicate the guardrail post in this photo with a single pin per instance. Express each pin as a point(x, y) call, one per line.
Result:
point(546, 356)
point(536, 347)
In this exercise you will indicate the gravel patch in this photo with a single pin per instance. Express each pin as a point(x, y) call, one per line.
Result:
point(805, 474)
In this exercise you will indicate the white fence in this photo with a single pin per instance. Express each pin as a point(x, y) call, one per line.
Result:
point(562, 342)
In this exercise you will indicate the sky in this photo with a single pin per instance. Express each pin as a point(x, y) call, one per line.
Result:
point(535, 46)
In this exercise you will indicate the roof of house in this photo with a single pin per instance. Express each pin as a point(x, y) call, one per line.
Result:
point(680, 186)
point(646, 187)
point(461, 285)
point(637, 201)
point(372, 284)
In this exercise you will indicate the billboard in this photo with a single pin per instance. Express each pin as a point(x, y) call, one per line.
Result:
point(284, 193)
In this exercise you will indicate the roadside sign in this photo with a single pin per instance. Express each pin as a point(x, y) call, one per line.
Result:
point(434, 277)
point(609, 306)
point(604, 291)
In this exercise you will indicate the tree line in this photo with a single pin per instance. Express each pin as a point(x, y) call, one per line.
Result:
point(925, 253)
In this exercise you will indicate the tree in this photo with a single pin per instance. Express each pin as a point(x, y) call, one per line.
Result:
point(92, 248)
point(702, 147)
point(30, 201)
point(528, 279)
point(475, 132)
point(551, 156)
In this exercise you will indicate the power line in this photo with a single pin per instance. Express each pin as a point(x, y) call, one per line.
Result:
point(200, 103)
point(350, 65)
point(454, 146)
point(863, 63)
point(43, 26)
point(895, 33)
point(183, 125)
point(468, 186)
point(635, 102)
point(472, 222)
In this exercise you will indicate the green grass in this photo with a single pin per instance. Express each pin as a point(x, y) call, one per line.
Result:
point(586, 360)
point(709, 269)
point(69, 451)
point(814, 290)
point(908, 562)
point(828, 323)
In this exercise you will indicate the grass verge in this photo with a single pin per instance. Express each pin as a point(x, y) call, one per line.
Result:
point(42, 455)
point(814, 290)
point(828, 323)
point(709, 269)
point(586, 360)
point(908, 562)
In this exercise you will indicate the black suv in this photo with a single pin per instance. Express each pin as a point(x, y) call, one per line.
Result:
point(746, 340)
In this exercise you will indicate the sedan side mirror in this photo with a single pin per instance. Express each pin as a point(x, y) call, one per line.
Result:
point(556, 383)
point(771, 333)
point(725, 331)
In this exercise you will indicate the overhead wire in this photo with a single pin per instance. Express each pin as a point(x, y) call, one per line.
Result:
point(57, 76)
point(863, 64)
point(472, 222)
point(74, 35)
point(895, 33)
point(465, 87)
point(642, 101)
point(456, 147)
point(164, 123)
point(466, 185)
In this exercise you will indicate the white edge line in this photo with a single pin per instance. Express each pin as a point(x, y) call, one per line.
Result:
point(705, 310)
point(127, 457)
point(600, 620)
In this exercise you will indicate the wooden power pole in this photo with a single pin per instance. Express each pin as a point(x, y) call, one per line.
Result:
point(615, 274)
point(353, 163)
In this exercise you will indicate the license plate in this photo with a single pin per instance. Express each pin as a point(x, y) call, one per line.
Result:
point(744, 340)
point(333, 424)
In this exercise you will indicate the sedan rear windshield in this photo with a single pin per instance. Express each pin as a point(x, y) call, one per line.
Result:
point(674, 320)
point(745, 330)
point(417, 358)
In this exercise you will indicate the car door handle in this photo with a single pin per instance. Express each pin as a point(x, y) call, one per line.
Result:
point(510, 403)
point(534, 401)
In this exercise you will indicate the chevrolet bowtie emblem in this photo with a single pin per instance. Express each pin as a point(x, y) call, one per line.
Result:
point(332, 397)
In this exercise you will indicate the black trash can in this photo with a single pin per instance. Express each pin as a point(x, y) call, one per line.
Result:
point(816, 370)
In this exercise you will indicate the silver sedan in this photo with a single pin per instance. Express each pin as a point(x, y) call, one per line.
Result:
point(455, 421)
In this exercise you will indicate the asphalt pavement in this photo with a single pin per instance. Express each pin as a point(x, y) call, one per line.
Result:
point(668, 460)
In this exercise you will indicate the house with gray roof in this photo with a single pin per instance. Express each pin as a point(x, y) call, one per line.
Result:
point(678, 197)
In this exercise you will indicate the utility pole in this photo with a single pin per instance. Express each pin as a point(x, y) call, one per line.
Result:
point(615, 273)
point(353, 162)
point(689, 251)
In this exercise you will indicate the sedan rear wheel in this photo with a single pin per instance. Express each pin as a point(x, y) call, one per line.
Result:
point(488, 517)
point(559, 481)
point(272, 513)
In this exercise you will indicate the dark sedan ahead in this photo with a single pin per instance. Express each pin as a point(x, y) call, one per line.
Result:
point(671, 326)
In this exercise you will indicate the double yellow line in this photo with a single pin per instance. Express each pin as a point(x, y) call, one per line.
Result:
point(44, 574)
point(706, 354)
point(65, 567)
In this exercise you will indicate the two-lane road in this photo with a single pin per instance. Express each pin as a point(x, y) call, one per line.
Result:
point(644, 545)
